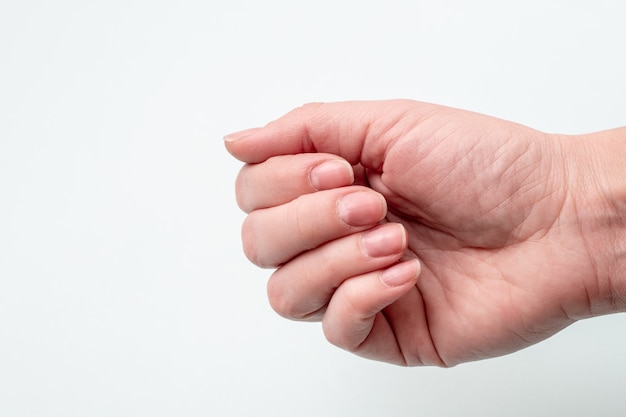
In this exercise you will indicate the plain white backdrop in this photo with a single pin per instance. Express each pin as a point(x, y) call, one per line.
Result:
point(123, 287)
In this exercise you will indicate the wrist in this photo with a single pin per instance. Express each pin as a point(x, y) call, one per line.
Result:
point(597, 183)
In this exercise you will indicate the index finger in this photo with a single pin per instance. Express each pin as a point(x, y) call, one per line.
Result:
point(281, 179)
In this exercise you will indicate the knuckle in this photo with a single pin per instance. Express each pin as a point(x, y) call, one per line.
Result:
point(282, 302)
point(241, 191)
point(284, 299)
point(303, 220)
point(334, 337)
point(253, 246)
point(278, 299)
point(250, 250)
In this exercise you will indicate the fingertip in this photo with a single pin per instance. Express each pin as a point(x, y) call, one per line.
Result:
point(385, 240)
point(401, 273)
point(242, 145)
point(261, 143)
point(331, 174)
point(362, 208)
point(235, 136)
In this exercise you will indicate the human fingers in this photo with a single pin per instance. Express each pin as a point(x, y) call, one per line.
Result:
point(273, 236)
point(301, 289)
point(360, 132)
point(354, 320)
point(281, 179)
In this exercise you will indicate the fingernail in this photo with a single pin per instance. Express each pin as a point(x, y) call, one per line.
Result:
point(401, 273)
point(388, 239)
point(331, 174)
point(361, 208)
point(231, 137)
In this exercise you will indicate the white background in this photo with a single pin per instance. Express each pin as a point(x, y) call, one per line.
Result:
point(123, 287)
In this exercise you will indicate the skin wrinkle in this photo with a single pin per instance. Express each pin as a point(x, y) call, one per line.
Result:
point(574, 204)
point(299, 220)
point(362, 347)
point(365, 125)
point(380, 133)
point(516, 165)
point(419, 147)
point(590, 307)
point(421, 229)
point(314, 310)
point(329, 268)
point(404, 361)
point(334, 117)
point(539, 334)
point(522, 338)
point(451, 172)
point(555, 273)
point(448, 292)
point(366, 128)
point(425, 212)
point(510, 289)
point(508, 166)
point(348, 302)
point(457, 269)
point(525, 188)
point(516, 235)
point(307, 143)
point(615, 225)
point(448, 264)
point(429, 340)
point(458, 164)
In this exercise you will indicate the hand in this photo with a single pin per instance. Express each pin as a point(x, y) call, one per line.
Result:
point(419, 234)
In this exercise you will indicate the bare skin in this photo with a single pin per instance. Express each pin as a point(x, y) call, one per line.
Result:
point(424, 235)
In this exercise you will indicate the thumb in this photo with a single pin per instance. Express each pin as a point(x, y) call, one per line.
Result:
point(360, 132)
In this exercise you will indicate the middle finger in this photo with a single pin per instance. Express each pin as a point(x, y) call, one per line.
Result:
point(275, 235)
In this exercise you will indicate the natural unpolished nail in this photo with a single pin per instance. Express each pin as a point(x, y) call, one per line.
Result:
point(361, 208)
point(388, 239)
point(331, 174)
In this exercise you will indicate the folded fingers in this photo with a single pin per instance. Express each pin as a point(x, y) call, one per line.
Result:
point(346, 284)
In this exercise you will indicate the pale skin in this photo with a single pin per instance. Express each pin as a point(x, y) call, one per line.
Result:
point(425, 235)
